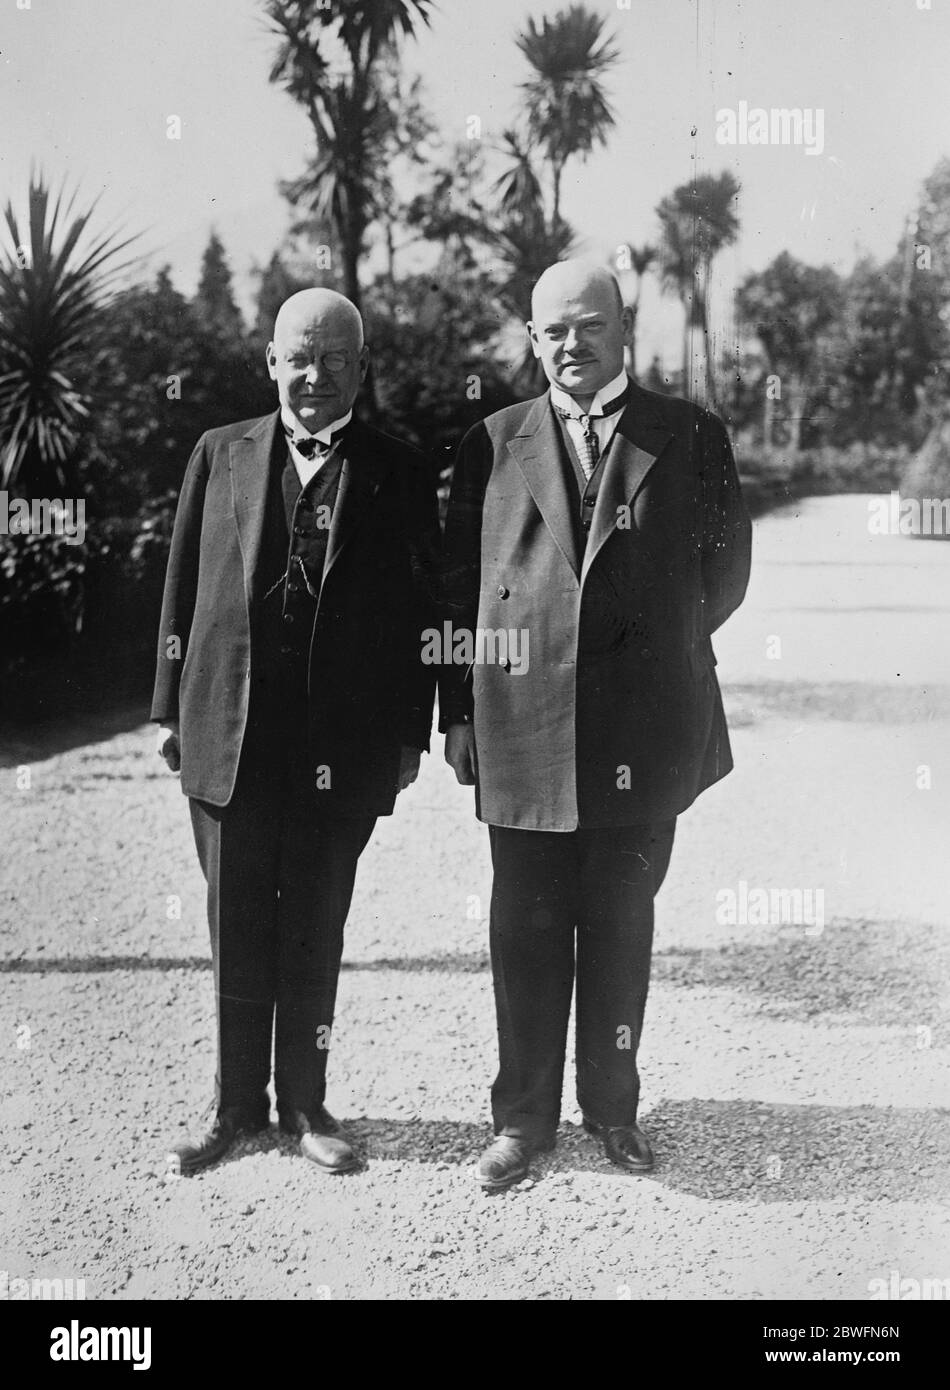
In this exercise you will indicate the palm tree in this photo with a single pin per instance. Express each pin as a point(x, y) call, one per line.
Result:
point(697, 220)
point(526, 246)
point(566, 111)
point(641, 258)
point(519, 191)
point(54, 286)
point(344, 105)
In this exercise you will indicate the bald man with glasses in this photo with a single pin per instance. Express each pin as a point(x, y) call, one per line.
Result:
point(291, 694)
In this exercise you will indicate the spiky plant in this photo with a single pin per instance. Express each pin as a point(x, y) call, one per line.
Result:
point(567, 110)
point(54, 285)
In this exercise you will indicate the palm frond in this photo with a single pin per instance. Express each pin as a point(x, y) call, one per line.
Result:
point(50, 304)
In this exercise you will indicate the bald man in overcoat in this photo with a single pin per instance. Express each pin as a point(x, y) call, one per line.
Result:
point(291, 692)
point(601, 528)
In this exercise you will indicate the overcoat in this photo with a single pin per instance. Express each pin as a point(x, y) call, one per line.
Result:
point(369, 692)
point(616, 717)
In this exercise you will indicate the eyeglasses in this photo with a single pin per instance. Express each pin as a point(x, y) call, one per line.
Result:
point(330, 361)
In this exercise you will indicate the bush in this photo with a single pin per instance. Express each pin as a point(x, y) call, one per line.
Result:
point(78, 622)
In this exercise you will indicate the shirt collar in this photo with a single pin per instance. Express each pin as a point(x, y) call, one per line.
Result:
point(606, 393)
point(293, 426)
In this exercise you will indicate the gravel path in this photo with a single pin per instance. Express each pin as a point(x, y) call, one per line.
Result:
point(795, 1078)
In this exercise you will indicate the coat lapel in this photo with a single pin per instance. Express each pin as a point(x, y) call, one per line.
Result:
point(640, 439)
point(537, 450)
point(360, 479)
point(250, 459)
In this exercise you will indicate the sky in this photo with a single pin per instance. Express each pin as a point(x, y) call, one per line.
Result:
point(87, 88)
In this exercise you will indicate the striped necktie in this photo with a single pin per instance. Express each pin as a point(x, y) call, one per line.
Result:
point(589, 450)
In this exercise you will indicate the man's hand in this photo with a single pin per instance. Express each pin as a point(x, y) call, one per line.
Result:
point(408, 768)
point(169, 745)
point(460, 753)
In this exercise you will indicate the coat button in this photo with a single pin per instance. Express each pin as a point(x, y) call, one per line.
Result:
point(288, 617)
point(501, 591)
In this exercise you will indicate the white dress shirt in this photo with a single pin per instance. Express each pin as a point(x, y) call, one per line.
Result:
point(604, 425)
point(308, 468)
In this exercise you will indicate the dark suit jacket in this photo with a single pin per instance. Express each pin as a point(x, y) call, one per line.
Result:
point(618, 718)
point(369, 690)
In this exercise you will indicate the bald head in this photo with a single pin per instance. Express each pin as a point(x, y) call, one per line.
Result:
point(575, 279)
point(318, 308)
point(578, 327)
point(317, 357)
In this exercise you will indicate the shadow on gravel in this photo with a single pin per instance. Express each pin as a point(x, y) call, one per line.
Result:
point(97, 965)
point(858, 972)
point(749, 1151)
point(36, 741)
point(849, 702)
point(863, 972)
point(457, 963)
point(743, 1151)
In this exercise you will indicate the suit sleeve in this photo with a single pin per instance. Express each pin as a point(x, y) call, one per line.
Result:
point(181, 587)
point(727, 530)
point(461, 567)
point(425, 555)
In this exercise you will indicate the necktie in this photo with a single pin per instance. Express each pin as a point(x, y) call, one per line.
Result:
point(308, 444)
point(589, 450)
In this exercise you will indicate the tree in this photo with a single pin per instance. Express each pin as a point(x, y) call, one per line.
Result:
point(215, 298)
point(404, 130)
point(433, 341)
point(275, 283)
point(792, 309)
point(345, 106)
point(697, 220)
point(54, 289)
point(639, 259)
point(928, 291)
point(566, 110)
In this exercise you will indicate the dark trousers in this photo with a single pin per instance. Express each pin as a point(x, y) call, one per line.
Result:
point(596, 885)
point(280, 876)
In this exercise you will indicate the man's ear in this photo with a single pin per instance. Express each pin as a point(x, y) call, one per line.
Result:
point(364, 361)
point(271, 358)
point(533, 338)
point(627, 320)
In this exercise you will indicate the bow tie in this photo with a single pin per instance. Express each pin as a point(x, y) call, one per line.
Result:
point(308, 444)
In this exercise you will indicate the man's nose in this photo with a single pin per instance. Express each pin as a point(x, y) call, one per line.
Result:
point(571, 340)
point(312, 374)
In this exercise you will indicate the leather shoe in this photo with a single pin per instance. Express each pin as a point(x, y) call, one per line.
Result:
point(506, 1161)
point(322, 1139)
point(229, 1123)
point(625, 1145)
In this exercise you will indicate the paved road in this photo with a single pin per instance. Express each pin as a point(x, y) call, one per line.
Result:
point(795, 1075)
